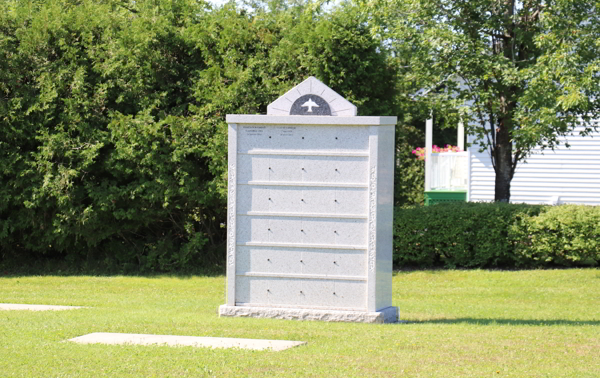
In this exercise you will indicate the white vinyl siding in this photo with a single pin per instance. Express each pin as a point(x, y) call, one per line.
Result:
point(565, 175)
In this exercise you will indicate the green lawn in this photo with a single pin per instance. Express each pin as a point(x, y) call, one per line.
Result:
point(458, 324)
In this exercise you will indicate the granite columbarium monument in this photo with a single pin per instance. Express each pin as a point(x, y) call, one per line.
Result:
point(309, 223)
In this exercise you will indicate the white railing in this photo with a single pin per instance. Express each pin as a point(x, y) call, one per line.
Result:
point(449, 170)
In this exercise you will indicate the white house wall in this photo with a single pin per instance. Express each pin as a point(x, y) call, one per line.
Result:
point(565, 175)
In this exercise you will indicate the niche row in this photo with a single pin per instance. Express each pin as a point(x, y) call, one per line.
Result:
point(302, 230)
point(302, 261)
point(302, 200)
point(305, 169)
point(301, 292)
point(302, 137)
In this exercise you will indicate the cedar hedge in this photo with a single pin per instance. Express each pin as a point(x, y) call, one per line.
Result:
point(113, 140)
point(496, 235)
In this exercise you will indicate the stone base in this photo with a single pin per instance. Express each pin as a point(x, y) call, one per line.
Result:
point(386, 315)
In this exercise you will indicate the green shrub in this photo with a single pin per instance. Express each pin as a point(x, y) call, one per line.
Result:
point(567, 235)
point(113, 140)
point(409, 176)
point(487, 235)
point(457, 234)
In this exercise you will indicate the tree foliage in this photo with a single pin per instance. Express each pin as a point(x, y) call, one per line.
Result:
point(113, 143)
point(519, 73)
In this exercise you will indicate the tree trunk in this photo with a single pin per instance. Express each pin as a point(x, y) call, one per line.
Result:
point(503, 150)
point(503, 166)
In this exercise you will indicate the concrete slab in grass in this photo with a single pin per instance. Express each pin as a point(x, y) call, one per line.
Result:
point(170, 340)
point(30, 307)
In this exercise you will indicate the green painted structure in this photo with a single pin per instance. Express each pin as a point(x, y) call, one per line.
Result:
point(440, 196)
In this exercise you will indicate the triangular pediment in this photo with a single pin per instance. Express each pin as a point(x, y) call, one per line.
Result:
point(311, 97)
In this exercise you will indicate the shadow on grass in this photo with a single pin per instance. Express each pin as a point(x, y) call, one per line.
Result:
point(49, 268)
point(101, 273)
point(443, 270)
point(209, 263)
point(511, 322)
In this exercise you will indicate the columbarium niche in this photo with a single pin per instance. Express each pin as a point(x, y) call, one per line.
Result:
point(309, 227)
